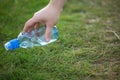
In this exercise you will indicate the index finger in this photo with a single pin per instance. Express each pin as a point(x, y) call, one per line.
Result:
point(29, 25)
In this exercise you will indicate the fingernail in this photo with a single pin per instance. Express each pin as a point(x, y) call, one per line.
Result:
point(47, 39)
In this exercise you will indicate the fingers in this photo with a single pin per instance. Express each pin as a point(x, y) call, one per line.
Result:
point(48, 32)
point(33, 23)
point(37, 29)
point(37, 25)
point(28, 26)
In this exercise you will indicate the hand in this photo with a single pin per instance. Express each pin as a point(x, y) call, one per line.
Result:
point(47, 16)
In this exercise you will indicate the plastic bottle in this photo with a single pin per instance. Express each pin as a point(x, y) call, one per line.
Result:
point(34, 38)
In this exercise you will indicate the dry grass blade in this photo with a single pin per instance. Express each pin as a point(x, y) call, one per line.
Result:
point(110, 31)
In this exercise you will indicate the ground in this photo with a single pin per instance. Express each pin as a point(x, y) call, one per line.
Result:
point(88, 47)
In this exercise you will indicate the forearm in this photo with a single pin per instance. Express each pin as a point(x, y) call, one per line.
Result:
point(57, 4)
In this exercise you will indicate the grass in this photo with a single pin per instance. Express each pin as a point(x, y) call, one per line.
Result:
point(88, 47)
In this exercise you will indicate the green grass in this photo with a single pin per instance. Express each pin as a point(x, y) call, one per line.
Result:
point(88, 47)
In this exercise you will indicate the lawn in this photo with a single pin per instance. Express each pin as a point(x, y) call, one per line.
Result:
point(88, 47)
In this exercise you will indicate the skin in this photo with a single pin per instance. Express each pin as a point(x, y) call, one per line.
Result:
point(47, 16)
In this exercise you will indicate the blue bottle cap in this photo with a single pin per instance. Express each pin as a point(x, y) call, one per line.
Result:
point(12, 44)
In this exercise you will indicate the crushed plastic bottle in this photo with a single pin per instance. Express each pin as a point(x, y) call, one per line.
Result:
point(34, 38)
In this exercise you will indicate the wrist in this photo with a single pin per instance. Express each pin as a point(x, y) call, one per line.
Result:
point(57, 4)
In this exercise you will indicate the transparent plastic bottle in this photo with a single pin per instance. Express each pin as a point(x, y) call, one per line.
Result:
point(34, 38)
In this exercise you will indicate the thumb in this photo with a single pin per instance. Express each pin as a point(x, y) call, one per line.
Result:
point(48, 32)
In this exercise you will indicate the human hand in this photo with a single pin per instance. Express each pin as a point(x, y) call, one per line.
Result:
point(47, 16)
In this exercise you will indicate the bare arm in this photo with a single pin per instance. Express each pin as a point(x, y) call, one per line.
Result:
point(57, 3)
point(47, 16)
